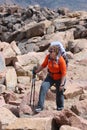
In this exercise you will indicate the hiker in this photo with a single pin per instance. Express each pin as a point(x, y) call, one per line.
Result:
point(62, 51)
point(56, 75)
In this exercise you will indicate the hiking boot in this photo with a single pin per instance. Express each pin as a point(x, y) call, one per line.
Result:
point(60, 108)
point(38, 109)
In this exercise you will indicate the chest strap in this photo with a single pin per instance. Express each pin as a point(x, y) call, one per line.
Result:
point(53, 73)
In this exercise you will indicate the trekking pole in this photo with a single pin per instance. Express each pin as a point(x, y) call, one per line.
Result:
point(32, 94)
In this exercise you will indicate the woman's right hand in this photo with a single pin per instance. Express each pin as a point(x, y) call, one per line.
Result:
point(61, 88)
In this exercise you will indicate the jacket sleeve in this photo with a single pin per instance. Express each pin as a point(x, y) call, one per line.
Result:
point(45, 62)
point(62, 65)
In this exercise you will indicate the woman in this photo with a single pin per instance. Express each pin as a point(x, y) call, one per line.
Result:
point(56, 74)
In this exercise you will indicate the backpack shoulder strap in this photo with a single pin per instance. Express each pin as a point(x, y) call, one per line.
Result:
point(57, 59)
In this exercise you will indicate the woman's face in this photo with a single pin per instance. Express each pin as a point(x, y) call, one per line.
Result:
point(52, 54)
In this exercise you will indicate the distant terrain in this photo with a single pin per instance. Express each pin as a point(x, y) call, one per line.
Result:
point(71, 4)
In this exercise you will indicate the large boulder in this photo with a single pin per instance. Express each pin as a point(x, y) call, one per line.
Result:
point(6, 117)
point(11, 78)
point(31, 123)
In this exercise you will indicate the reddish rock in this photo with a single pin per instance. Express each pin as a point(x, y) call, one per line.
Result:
point(80, 108)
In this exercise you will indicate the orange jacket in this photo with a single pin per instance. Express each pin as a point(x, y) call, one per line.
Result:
point(57, 69)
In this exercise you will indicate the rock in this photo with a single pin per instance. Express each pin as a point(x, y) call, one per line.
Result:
point(26, 106)
point(15, 48)
point(67, 127)
point(11, 78)
point(64, 117)
point(63, 11)
point(8, 52)
point(83, 96)
point(21, 87)
point(31, 123)
point(9, 96)
point(13, 108)
point(2, 88)
point(71, 119)
point(6, 117)
point(80, 108)
point(2, 101)
point(76, 46)
point(2, 68)
point(72, 90)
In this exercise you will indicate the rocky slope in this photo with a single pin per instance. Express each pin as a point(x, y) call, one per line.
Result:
point(25, 35)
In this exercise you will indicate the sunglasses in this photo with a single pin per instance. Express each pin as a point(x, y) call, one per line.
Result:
point(51, 51)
